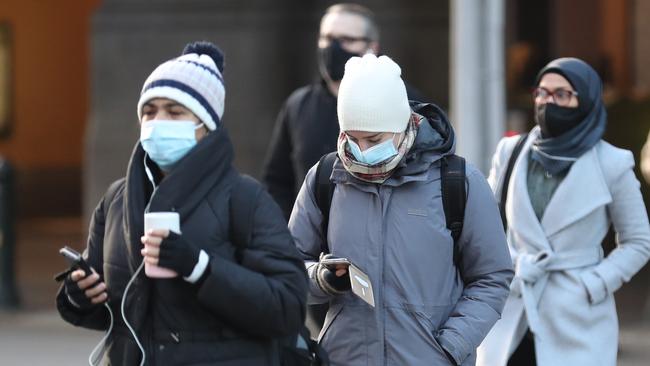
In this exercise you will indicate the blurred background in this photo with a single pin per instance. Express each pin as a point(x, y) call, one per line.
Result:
point(71, 72)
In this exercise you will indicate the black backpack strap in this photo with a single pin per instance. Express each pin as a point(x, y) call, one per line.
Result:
point(506, 179)
point(323, 191)
point(243, 199)
point(454, 196)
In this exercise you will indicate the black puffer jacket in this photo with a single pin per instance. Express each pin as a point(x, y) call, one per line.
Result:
point(231, 317)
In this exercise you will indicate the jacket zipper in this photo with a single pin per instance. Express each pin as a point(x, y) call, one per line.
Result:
point(382, 205)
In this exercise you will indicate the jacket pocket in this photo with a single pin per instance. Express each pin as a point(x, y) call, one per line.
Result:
point(430, 318)
point(411, 335)
point(595, 286)
point(332, 313)
point(234, 352)
point(349, 333)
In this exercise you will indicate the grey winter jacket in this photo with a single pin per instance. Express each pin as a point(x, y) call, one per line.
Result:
point(396, 233)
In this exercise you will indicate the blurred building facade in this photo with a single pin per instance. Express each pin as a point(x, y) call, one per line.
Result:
point(48, 101)
point(270, 50)
point(78, 66)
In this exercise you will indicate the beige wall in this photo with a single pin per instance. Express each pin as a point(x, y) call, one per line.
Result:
point(50, 81)
point(49, 102)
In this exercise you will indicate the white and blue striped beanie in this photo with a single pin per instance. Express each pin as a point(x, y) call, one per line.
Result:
point(194, 80)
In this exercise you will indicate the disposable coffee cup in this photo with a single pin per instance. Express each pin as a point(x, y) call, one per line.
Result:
point(161, 220)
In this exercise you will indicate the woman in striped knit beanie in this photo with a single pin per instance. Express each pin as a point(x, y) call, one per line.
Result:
point(223, 306)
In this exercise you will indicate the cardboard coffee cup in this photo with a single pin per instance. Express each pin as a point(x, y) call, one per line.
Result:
point(161, 220)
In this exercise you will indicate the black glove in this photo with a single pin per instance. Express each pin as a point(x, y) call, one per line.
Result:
point(178, 255)
point(77, 296)
point(328, 281)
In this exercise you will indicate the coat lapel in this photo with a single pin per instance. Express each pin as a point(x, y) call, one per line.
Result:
point(582, 191)
point(519, 211)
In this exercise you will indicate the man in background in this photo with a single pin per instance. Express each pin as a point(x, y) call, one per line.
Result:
point(307, 127)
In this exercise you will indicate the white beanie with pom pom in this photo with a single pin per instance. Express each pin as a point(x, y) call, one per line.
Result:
point(372, 96)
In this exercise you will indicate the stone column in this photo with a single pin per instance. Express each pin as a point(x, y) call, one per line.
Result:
point(640, 47)
point(477, 77)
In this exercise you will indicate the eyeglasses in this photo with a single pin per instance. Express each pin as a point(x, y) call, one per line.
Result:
point(343, 39)
point(561, 97)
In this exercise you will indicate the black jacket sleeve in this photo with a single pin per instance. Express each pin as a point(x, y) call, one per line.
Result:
point(98, 317)
point(266, 294)
point(277, 174)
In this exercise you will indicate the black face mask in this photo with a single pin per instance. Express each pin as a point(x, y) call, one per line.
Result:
point(332, 59)
point(554, 120)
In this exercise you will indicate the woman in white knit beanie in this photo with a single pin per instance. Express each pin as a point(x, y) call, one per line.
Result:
point(373, 113)
point(428, 292)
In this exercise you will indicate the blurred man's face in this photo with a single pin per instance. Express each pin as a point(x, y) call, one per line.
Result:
point(349, 29)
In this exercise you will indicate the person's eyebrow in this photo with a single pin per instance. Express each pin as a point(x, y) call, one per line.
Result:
point(373, 136)
point(173, 105)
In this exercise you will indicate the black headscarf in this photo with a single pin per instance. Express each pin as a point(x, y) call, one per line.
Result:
point(558, 153)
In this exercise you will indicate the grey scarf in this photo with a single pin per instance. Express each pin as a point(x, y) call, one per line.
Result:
point(557, 154)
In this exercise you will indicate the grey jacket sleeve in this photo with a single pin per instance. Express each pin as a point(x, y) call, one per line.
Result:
point(486, 268)
point(305, 226)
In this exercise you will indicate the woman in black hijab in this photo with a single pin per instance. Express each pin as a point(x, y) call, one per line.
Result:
point(565, 189)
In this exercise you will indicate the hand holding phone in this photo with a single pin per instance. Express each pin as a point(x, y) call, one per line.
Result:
point(75, 260)
point(331, 274)
point(83, 285)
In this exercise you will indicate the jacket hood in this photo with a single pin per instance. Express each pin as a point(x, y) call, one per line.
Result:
point(435, 139)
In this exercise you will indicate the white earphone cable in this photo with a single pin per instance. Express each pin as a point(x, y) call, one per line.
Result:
point(126, 290)
point(92, 358)
point(102, 342)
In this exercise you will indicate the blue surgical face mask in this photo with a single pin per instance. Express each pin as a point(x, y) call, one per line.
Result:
point(373, 155)
point(166, 142)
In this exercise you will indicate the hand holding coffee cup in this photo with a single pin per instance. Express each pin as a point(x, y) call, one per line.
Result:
point(157, 226)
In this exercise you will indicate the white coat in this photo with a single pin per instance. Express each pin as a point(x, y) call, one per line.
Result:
point(563, 287)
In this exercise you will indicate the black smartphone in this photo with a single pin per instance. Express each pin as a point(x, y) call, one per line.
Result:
point(75, 260)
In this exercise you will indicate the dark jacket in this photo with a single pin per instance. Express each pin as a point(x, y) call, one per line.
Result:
point(306, 129)
point(231, 317)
